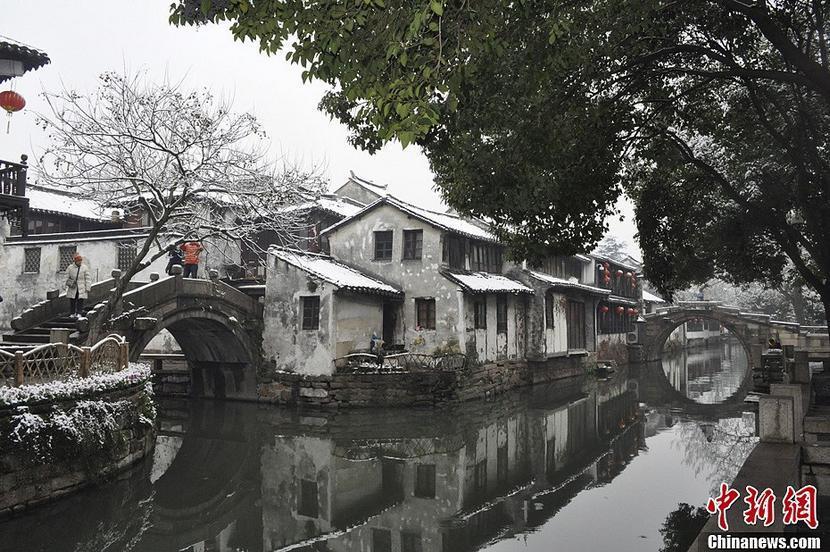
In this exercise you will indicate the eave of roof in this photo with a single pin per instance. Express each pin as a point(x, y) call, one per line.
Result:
point(14, 50)
point(553, 281)
point(616, 262)
point(485, 282)
point(623, 300)
point(364, 283)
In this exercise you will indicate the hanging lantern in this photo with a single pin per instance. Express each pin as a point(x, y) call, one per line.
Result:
point(628, 275)
point(12, 102)
point(603, 309)
point(632, 311)
point(620, 310)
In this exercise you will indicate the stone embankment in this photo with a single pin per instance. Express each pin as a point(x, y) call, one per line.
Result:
point(61, 436)
point(417, 388)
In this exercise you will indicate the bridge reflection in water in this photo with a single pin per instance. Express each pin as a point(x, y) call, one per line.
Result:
point(583, 463)
point(708, 373)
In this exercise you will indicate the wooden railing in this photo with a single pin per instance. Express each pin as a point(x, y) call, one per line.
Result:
point(13, 178)
point(61, 361)
point(400, 363)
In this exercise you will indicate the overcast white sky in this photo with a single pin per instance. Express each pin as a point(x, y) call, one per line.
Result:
point(84, 39)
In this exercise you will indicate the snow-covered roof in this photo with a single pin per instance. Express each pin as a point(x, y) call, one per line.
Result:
point(485, 282)
point(651, 298)
point(65, 203)
point(562, 282)
point(334, 272)
point(445, 221)
point(344, 207)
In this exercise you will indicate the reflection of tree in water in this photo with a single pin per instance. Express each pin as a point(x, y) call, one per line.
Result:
point(681, 527)
point(716, 449)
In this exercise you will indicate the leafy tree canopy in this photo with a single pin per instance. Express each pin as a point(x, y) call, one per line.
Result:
point(711, 114)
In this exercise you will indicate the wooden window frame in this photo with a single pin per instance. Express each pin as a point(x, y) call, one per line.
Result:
point(425, 313)
point(381, 248)
point(310, 312)
point(501, 313)
point(413, 245)
point(480, 314)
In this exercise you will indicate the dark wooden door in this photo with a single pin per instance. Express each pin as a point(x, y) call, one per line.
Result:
point(390, 315)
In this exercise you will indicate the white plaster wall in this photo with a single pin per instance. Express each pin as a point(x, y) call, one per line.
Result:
point(356, 316)
point(21, 290)
point(284, 343)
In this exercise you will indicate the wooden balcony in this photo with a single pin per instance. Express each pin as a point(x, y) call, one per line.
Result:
point(13, 201)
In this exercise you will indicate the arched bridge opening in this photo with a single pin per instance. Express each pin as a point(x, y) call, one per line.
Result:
point(752, 332)
point(217, 327)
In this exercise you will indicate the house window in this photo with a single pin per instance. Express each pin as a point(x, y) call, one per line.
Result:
point(425, 480)
point(453, 253)
point(381, 540)
point(485, 257)
point(413, 244)
point(576, 325)
point(480, 314)
point(31, 259)
point(383, 245)
point(411, 542)
point(65, 255)
point(311, 312)
point(501, 314)
point(611, 321)
point(425, 313)
point(550, 310)
point(126, 253)
point(307, 505)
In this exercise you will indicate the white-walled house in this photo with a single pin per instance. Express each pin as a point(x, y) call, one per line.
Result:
point(318, 309)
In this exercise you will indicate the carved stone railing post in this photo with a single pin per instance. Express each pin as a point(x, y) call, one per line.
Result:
point(124, 354)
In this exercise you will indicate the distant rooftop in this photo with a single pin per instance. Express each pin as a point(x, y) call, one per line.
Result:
point(51, 200)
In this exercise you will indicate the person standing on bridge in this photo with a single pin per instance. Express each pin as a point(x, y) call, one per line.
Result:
point(191, 252)
point(77, 285)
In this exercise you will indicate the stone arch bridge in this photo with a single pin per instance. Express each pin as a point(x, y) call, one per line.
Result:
point(217, 327)
point(751, 329)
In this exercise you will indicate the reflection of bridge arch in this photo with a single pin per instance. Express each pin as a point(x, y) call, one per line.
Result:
point(212, 482)
point(655, 389)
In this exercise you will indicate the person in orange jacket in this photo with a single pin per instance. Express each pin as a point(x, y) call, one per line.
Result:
point(191, 252)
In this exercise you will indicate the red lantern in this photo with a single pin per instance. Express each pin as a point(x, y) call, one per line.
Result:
point(619, 273)
point(632, 311)
point(603, 309)
point(620, 310)
point(628, 275)
point(12, 102)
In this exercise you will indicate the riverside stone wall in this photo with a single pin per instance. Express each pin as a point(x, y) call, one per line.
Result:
point(414, 388)
point(26, 480)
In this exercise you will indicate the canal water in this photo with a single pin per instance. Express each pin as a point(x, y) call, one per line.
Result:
point(584, 464)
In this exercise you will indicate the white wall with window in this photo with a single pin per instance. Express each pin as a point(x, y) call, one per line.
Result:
point(30, 267)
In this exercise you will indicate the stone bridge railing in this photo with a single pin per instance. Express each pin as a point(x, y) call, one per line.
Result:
point(61, 361)
point(57, 304)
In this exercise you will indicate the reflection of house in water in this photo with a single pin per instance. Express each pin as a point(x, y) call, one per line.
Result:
point(444, 490)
